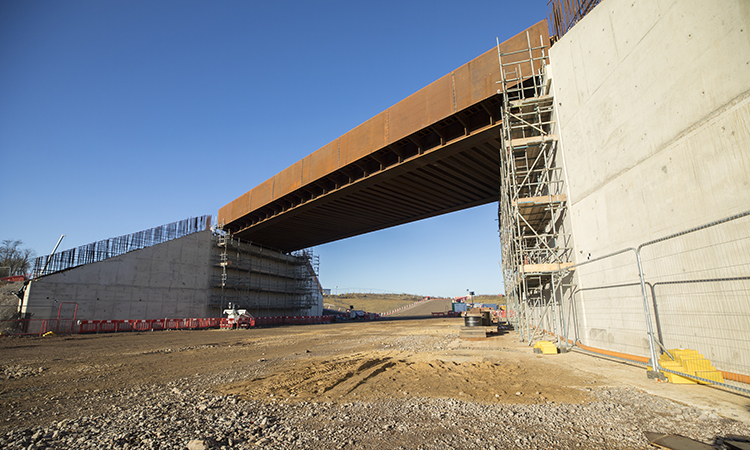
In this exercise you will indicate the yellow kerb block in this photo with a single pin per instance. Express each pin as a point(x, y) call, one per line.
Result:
point(697, 365)
point(547, 347)
point(713, 375)
point(684, 352)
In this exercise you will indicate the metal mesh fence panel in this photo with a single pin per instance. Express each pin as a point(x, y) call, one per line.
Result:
point(563, 14)
point(608, 310)
point(699, 284)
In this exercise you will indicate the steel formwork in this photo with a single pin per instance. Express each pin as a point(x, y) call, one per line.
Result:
point(533, 205)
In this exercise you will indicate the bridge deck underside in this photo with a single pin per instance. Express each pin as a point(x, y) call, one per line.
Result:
point(448, 178)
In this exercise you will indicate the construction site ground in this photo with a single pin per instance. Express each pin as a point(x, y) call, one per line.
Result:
point(410, 357)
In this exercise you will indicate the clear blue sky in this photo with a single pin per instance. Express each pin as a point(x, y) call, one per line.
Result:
point(117, 116)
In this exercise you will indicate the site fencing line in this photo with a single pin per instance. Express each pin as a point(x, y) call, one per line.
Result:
point(109, 248)
point(673, 300)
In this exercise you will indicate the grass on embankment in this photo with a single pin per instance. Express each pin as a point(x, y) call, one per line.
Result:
point(375, 303)
point(492, 299)
point(380, 303)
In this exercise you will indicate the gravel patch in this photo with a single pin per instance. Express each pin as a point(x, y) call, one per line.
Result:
point(109, 405)
point(189, 414)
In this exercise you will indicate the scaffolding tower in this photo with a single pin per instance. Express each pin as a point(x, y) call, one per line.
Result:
point(262, 280)
point(532, 209)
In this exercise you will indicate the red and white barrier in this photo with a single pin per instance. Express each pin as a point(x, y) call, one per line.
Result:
point(38, 327)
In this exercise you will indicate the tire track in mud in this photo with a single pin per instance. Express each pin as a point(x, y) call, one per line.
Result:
point(338, 376)
point(378, 375)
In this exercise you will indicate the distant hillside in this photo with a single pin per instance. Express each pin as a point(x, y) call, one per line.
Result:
point(497, 299)
point(380, 303)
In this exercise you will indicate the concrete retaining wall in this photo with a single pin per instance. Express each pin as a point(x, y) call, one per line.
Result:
point(167, 280)
point(174, 279)
point(653, 100)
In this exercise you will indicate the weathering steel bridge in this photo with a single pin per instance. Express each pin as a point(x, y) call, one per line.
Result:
point(435, 152)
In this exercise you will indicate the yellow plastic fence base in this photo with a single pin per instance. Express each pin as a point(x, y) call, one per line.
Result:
point(547, 347)
point(676, 379)
point(689, 362)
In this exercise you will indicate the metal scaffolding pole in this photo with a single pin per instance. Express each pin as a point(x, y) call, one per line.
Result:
point(532, 196)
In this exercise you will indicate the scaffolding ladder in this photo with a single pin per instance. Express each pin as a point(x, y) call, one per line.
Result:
point(532, 207)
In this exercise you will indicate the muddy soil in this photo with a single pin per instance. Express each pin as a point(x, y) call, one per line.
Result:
point(46, 380)
point(337, 362)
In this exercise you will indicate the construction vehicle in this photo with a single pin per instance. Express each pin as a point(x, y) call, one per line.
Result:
point(236, 318)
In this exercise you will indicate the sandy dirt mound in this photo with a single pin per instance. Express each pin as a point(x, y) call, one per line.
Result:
point(366, 363)
point(370, 375)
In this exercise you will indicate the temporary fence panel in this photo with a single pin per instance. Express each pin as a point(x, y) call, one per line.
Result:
point(107, 326)
point(607, 310)
point(23, 327)
point(37, 327)
point(142, 325)
point(698, 282)
point(88, 326)
point(680, 303)
point(62, 326)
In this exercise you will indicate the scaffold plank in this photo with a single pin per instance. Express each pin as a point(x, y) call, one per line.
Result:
point(531, 100)
point(532, 140)
point(545, 268)
point(543, 200)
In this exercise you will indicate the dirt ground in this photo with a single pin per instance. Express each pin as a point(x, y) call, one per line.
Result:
point(343, 362)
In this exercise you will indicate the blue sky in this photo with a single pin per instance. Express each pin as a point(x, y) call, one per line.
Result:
point(117, 116)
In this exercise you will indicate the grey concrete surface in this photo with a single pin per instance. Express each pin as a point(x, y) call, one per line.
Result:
point(170, 279)
point(653, 102)
point(174, 279)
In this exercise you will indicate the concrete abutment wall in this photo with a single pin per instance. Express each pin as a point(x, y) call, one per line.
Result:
point(174, 279)
point(653, 100)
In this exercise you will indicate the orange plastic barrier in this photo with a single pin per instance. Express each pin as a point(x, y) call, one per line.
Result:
point(37, 327)
point(142, 325)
